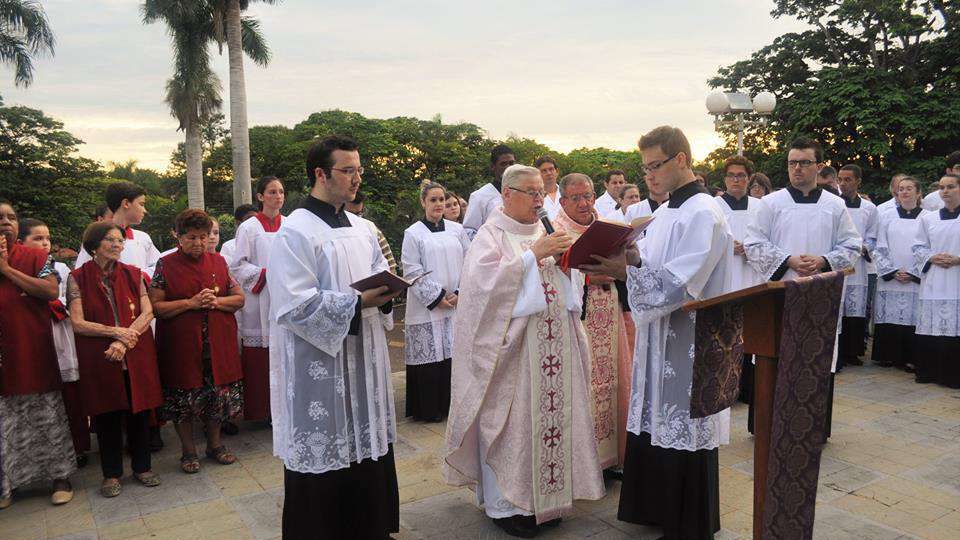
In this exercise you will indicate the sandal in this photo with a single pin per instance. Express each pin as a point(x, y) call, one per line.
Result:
point(189, 463)
point(221, 455)
point(148, 479)
point(110, 487)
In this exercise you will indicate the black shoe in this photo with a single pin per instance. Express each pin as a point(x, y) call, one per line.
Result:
point(229, 428)
point(909, 368)
point(156, 441)
point(613, 474)
point(518, 526)
point(82, 460)
point(552, 523)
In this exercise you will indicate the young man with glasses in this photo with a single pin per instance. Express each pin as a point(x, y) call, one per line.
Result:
point(488, 198)
point(671, 468)
point(802, 230)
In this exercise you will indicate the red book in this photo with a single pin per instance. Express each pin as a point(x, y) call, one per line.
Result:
point(393, 281)
point(603, 238)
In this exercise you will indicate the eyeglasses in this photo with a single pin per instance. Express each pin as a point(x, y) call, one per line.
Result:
point(588, 197)
point(740, 176)
point(350, 171)
point(532, 194)
point(657, 164)
point(801, 163)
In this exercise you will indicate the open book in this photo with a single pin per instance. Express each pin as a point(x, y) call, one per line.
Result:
point(393, 281)
point(603, 238)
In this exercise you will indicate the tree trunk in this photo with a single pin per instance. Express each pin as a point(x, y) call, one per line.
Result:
point(194, 152)
point(239, 132)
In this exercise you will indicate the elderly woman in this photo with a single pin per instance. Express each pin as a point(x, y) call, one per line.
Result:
point(119, 381)
point(35, 442)
point(194, 298)
point(760, 186)
point(438, 246)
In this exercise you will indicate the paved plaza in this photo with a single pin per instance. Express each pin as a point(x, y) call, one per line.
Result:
point(890, 471)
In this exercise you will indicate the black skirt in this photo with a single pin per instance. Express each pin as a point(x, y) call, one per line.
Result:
point(853, 338)
point(938, 360)
point(893, 345)
point(673, 489)
point(361, 501)
point(829, 427)
point(428, 391)
point(746, 379)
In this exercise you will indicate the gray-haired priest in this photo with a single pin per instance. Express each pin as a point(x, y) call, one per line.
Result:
point(671, 468)
point(520, 430)
point(331, 398)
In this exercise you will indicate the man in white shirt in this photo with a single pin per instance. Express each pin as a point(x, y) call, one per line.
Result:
point(549, 172)
point(488, 198)
point(607, 202)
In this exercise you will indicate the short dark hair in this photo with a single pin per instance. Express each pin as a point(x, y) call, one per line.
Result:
point(762, 180)
point(614, 172)
point(827, 172)
point(671, 141)
point(101, 211)
point(242, 211)
point(118, 192)
point(806, 143)
point(857, 171)
point(953, 159)
point(320, 155)
point(193, 219)
point(737, 160)
point(544, 159)
point(95, 233)
point(27, 225)
point(500, 150)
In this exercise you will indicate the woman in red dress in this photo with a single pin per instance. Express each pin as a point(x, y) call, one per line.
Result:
point(194, 298)
point(35, 442)
point(119, 381)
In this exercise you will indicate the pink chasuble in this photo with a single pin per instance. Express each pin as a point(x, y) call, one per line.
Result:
point(610, 356)
point(519, 384)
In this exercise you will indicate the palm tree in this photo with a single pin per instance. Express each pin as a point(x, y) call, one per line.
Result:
point(24, 33)
point(193, 93)
point(242, 35)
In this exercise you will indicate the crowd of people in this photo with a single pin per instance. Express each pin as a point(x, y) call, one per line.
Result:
point(553, 377)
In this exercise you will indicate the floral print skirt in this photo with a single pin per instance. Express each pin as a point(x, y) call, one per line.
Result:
point(35, 443)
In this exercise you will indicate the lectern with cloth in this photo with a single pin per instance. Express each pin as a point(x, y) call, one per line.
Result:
point(791, 327)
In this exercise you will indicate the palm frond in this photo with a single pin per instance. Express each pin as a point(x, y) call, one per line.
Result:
point(253, 42)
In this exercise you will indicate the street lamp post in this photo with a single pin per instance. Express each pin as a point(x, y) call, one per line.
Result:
point(740, 105)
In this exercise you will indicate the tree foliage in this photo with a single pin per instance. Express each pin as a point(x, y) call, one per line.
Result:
point(877, 82)
point(24, 34)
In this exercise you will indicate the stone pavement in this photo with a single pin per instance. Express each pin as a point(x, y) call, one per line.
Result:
point(890, 471)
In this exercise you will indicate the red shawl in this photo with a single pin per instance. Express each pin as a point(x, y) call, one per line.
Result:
point(29, 358)
point(102, 385)
point(180, 339)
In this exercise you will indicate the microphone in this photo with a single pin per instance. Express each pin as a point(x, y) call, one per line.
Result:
point(545, 219)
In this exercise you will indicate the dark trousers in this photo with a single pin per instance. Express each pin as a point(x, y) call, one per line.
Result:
point(110, 436)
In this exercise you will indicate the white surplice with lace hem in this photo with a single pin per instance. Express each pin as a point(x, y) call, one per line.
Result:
point(331, 395)
point(250, 256)
point(938, 307)
point(686, 255)
point(865, 219)
point(896, 302)
point(428, 333)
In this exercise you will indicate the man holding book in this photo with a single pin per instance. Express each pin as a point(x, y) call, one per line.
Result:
point(606, 333)
point(520, 432)
point(332, 405)
point(671, 470)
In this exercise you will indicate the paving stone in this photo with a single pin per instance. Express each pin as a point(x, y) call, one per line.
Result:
point(261, 513)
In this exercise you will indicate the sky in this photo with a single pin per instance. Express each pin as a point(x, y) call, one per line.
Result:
point(569, 74)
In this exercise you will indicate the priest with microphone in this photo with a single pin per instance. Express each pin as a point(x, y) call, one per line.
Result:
point(520, 430)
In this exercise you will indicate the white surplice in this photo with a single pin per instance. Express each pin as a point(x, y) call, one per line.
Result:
point(331, 394)
point(482, 203)
point(63, 339)
point(742, 274)
point(605, 204)
point(429, 332)
point(864, 218)
point(228, 250)
point(933, 201)
point(896, 302)
point(686, 255)
point(251, 258)
point(138, 251)
point(938, 307)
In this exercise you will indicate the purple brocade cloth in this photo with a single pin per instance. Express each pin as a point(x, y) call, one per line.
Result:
point(811, 308)
point(717, 359)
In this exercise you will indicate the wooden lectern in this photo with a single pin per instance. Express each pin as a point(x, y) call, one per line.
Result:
point(762, 321)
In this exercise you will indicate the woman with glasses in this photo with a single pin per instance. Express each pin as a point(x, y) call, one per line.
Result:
point(438, 246)
point(194, 298)
point(35, 442)
point(759, 186)
point(254, 238)
point(937, 255)
point(894, 341)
